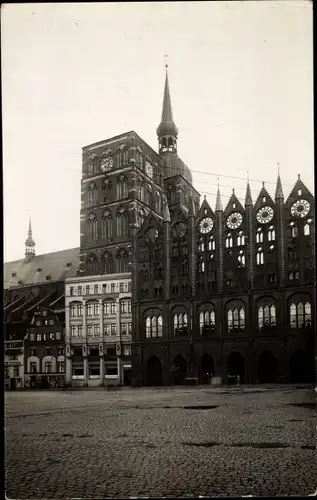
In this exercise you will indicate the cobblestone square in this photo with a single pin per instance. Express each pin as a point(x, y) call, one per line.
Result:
point(160, 442)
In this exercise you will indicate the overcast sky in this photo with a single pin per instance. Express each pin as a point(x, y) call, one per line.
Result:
point(241, 81)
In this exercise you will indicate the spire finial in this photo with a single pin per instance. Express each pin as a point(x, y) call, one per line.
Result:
point(299, 177)
point(232, 190)
point(263, 184)
point(205, 197)
point(248, 176)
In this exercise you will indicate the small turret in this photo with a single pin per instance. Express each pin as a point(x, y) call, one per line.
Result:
point(29, 244)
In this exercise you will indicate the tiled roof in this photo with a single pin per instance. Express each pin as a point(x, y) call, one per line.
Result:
point(56, 266)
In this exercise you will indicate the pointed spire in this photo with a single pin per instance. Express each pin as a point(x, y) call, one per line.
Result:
point(167, 126)
point(279, 191)
point(166, 214)
point(29, 242)
point(218, 201)
point(248, 197)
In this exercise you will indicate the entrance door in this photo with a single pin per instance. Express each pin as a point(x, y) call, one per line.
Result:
point(207, 368)
point(127, 377)
point(235, 366)
point(267, 368)
point(153, 371)
point(300, 367)
point(12, 383)
point(179, 369)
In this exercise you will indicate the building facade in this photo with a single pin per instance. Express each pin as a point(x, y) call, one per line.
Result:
point(98, 330)
point(14, 362)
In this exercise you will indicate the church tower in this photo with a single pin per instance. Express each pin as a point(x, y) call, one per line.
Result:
point(167, 131)
point(29, 244)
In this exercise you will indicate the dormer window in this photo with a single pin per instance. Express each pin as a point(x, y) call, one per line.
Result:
point(48, 277)
point(233, 205)
point(299, 192)
point(264, 199)
point(68, 264)
point(13, 274)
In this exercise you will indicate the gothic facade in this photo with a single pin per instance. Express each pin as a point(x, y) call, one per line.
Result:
point(227, 292)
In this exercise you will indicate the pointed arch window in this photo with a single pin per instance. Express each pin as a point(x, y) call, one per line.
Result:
point(236, 319)
point(122, 187)
point(122, 222)
point(106, 225)
point(154, 326)
point(271, 233)
point(158, 202)
point(272, 278)
point(107, 263)
point(300, 315)
point(201, 265)
point(107, 191)
point(201, 245)
point(207, 321)
point(92, 265)
point(259, 236)
point(185, 267)
point(148, 194)
point(92, 195)
point(229, 241)
point(142, 216)
point(95, 165)
point(122, 261)
point(180, 324)
point(92, 228)
point(211, 243)
point(240, 239)
point(184, 249)
point(174, 250)
point(90, 167)
point(293, 229)
point(260, 257)
point(241, 259)
point(266, 316)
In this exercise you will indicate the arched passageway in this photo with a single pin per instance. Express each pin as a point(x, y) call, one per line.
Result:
point(153, 371)
point(235, 366)
point(301, 367)
point(179, 369)
point(267, 368)
point(207, 368)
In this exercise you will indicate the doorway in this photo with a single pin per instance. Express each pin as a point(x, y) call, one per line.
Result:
point(153, 371)
point(235, 366)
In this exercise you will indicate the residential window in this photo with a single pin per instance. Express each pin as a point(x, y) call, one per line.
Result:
point(96, 309)
point(60, 351)
point(112, 370)
point(51, 322)
point(129, 328)
point(113, 329)
point(38, 337)
point(113, 308)
point(111, 351)
point(96, 330)
point(89, 330)
point(89, 310)
point(6, 372)
point(73, 310)
point(106, 329)
point(32, 337)
point(129, 286)
point(123, 307)
point(16, 371)
point(300, 315)
point(52, 336)
point(106, 308)
point(104, 288)
point(87, 289)
point(129, 306)
point(48, 367)
point(33, 367)
point(79, 290)
point(266, 316)
point(123, 328)
point(71, 290)
point(58, 335)
point(96, 289)
point(80, 309)
point(61, 366)
point(44, 337)
point(38, 322)
point(80, 330)
point(32, 352)
point(236, 319)
point(127, 350)
point(121, 287)
point(73, 331)
point(112, 287)
point(48, 351)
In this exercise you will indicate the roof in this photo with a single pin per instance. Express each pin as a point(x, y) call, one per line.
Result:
point(55, 266)
point(173, 165)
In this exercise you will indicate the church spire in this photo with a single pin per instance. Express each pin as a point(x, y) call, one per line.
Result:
point(279, 191)
point(167, 131)
point(29, 242)
point(248, 197)
point(218, 201)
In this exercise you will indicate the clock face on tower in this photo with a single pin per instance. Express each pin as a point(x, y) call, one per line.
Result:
point(265, 215)
point(206, 225)
point(300, 208)
point(148, 169)
point(234, 220)
point(106, 164)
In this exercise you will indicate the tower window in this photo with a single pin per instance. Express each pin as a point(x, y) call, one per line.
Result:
point(299, 192)
point(229, 241)
point(260, 257)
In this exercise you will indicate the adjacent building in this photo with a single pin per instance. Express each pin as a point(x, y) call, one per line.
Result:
point(98, 330)
point(14, 361)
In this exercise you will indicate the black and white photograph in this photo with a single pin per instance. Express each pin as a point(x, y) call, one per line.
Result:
point(159, 313)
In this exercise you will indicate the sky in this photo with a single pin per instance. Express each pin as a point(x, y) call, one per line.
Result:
point(241, 82)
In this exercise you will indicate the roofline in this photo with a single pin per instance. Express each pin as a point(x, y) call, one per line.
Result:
point(27, 285)
point(180, 175)
point(42, 255)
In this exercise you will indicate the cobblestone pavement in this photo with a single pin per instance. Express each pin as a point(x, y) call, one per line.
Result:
point(164, 442)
